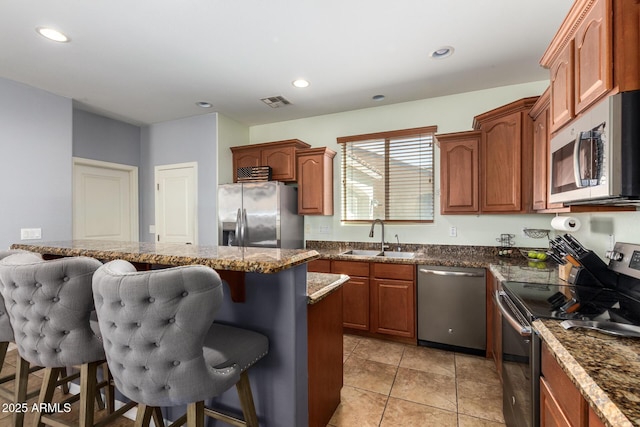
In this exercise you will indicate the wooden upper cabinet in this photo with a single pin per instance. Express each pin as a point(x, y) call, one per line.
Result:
point(315, 181)
point(506, 163)
point(459, 188)
point(245, 158)
point(626, 39)
point(279, 155)
point(540, 113)
point(593, 60)
point(562, 88)
point(593, 54)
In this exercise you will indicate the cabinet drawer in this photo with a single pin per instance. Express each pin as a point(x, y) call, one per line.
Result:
point(564, 391)
point(394, 271)
point(319, 266)
point(351, 268)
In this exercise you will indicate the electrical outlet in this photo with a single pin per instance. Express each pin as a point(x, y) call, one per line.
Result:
point(152, 229)
point(30, 233)
point(324, 229)
point(453, 232)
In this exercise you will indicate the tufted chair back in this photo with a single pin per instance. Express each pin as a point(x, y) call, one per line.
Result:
point(6, 332)
point(154, 324)
point(49, 304)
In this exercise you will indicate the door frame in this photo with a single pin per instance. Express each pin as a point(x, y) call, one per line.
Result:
point(133, 191)
point(156, 169)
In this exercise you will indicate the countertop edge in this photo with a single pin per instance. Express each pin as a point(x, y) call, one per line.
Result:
point(164, 258)
point(595, 396)
point(318, 295)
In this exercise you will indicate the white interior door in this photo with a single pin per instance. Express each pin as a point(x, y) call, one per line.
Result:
point(176, 203)
point(105, 200)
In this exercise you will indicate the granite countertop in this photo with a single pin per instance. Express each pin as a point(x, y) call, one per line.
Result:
point(438, 255)
point(256, 260)
point(320, 285)
point(605, 369)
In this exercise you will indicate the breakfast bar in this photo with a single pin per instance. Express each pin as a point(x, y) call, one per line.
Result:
point(272, 284)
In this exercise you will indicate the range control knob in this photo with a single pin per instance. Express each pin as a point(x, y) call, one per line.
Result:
point(614, 256)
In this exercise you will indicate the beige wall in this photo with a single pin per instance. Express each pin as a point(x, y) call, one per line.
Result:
point(451, 114)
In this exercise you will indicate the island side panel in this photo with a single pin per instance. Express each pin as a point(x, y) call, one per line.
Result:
point(275, 305)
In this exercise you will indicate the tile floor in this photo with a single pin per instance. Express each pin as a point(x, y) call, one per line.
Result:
point(35, 380)
point(388, 384)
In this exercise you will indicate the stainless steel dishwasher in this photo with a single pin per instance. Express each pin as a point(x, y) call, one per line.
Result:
point(452, 308)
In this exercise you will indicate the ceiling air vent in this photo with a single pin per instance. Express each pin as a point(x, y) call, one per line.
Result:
point(276, 101)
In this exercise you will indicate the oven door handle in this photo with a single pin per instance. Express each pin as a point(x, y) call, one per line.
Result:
point(524, 331)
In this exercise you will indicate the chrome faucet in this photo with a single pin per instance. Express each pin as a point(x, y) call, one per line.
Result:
point(377, 220)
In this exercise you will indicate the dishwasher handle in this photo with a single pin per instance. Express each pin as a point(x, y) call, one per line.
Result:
point(450, 273)
point(524, 331)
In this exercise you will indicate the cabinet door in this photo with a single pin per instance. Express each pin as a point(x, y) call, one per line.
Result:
point(315, 181)
point(393, 307)
point(355, 300)
point(500, 164)
point(562, 88)
point(626, 39)
point(245, 158)
point(540, 160)
point(319, 266)
point(282, 161)
point(459, 175)
point(593, 61)
point(551, 414)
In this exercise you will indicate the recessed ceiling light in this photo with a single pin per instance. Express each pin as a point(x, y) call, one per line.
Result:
point(52, 34)
point(204, 104)
point(300, 83)
point(442, 52)
point(377, 97)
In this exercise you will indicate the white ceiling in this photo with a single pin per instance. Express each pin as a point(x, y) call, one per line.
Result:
point(147, 61)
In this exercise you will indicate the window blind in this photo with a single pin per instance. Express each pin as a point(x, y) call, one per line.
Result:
point(389, 176)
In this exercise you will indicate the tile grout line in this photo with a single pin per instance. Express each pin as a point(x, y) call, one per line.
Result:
point(392, 384)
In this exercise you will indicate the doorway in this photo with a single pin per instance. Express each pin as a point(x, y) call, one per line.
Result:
point(105, 200)
point(176, 203)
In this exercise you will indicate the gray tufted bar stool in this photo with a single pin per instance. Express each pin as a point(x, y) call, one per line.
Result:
point(6, 336)
point(163, 347)
point(50, 304)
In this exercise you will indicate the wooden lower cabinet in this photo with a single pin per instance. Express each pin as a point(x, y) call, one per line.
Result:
point(324, 335)
point(393, 299)
point(551, 414)
point(561, 403)
point(379, 300)
point(356, 304)
point(393, 307)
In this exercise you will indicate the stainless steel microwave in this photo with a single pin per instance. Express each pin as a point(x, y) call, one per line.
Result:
point(596, 158)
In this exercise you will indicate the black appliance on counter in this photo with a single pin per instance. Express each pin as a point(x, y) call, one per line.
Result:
point(598, 296)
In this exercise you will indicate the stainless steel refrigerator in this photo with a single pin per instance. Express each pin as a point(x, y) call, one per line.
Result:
point(259, 214)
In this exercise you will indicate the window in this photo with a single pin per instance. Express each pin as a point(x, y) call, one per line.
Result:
point(388, 175)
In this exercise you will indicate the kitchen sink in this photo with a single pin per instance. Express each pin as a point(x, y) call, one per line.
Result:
point(359, 252)
point(394, 254)
point(388, 254)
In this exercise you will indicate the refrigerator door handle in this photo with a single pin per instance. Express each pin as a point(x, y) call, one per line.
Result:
point(244, 227)
point(239, 228)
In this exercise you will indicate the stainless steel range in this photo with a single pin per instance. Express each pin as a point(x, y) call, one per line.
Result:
point(598, 296)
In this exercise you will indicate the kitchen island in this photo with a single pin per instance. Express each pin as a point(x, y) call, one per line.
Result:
point(274, 302)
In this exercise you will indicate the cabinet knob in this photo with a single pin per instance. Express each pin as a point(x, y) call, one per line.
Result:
point(450, 331)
